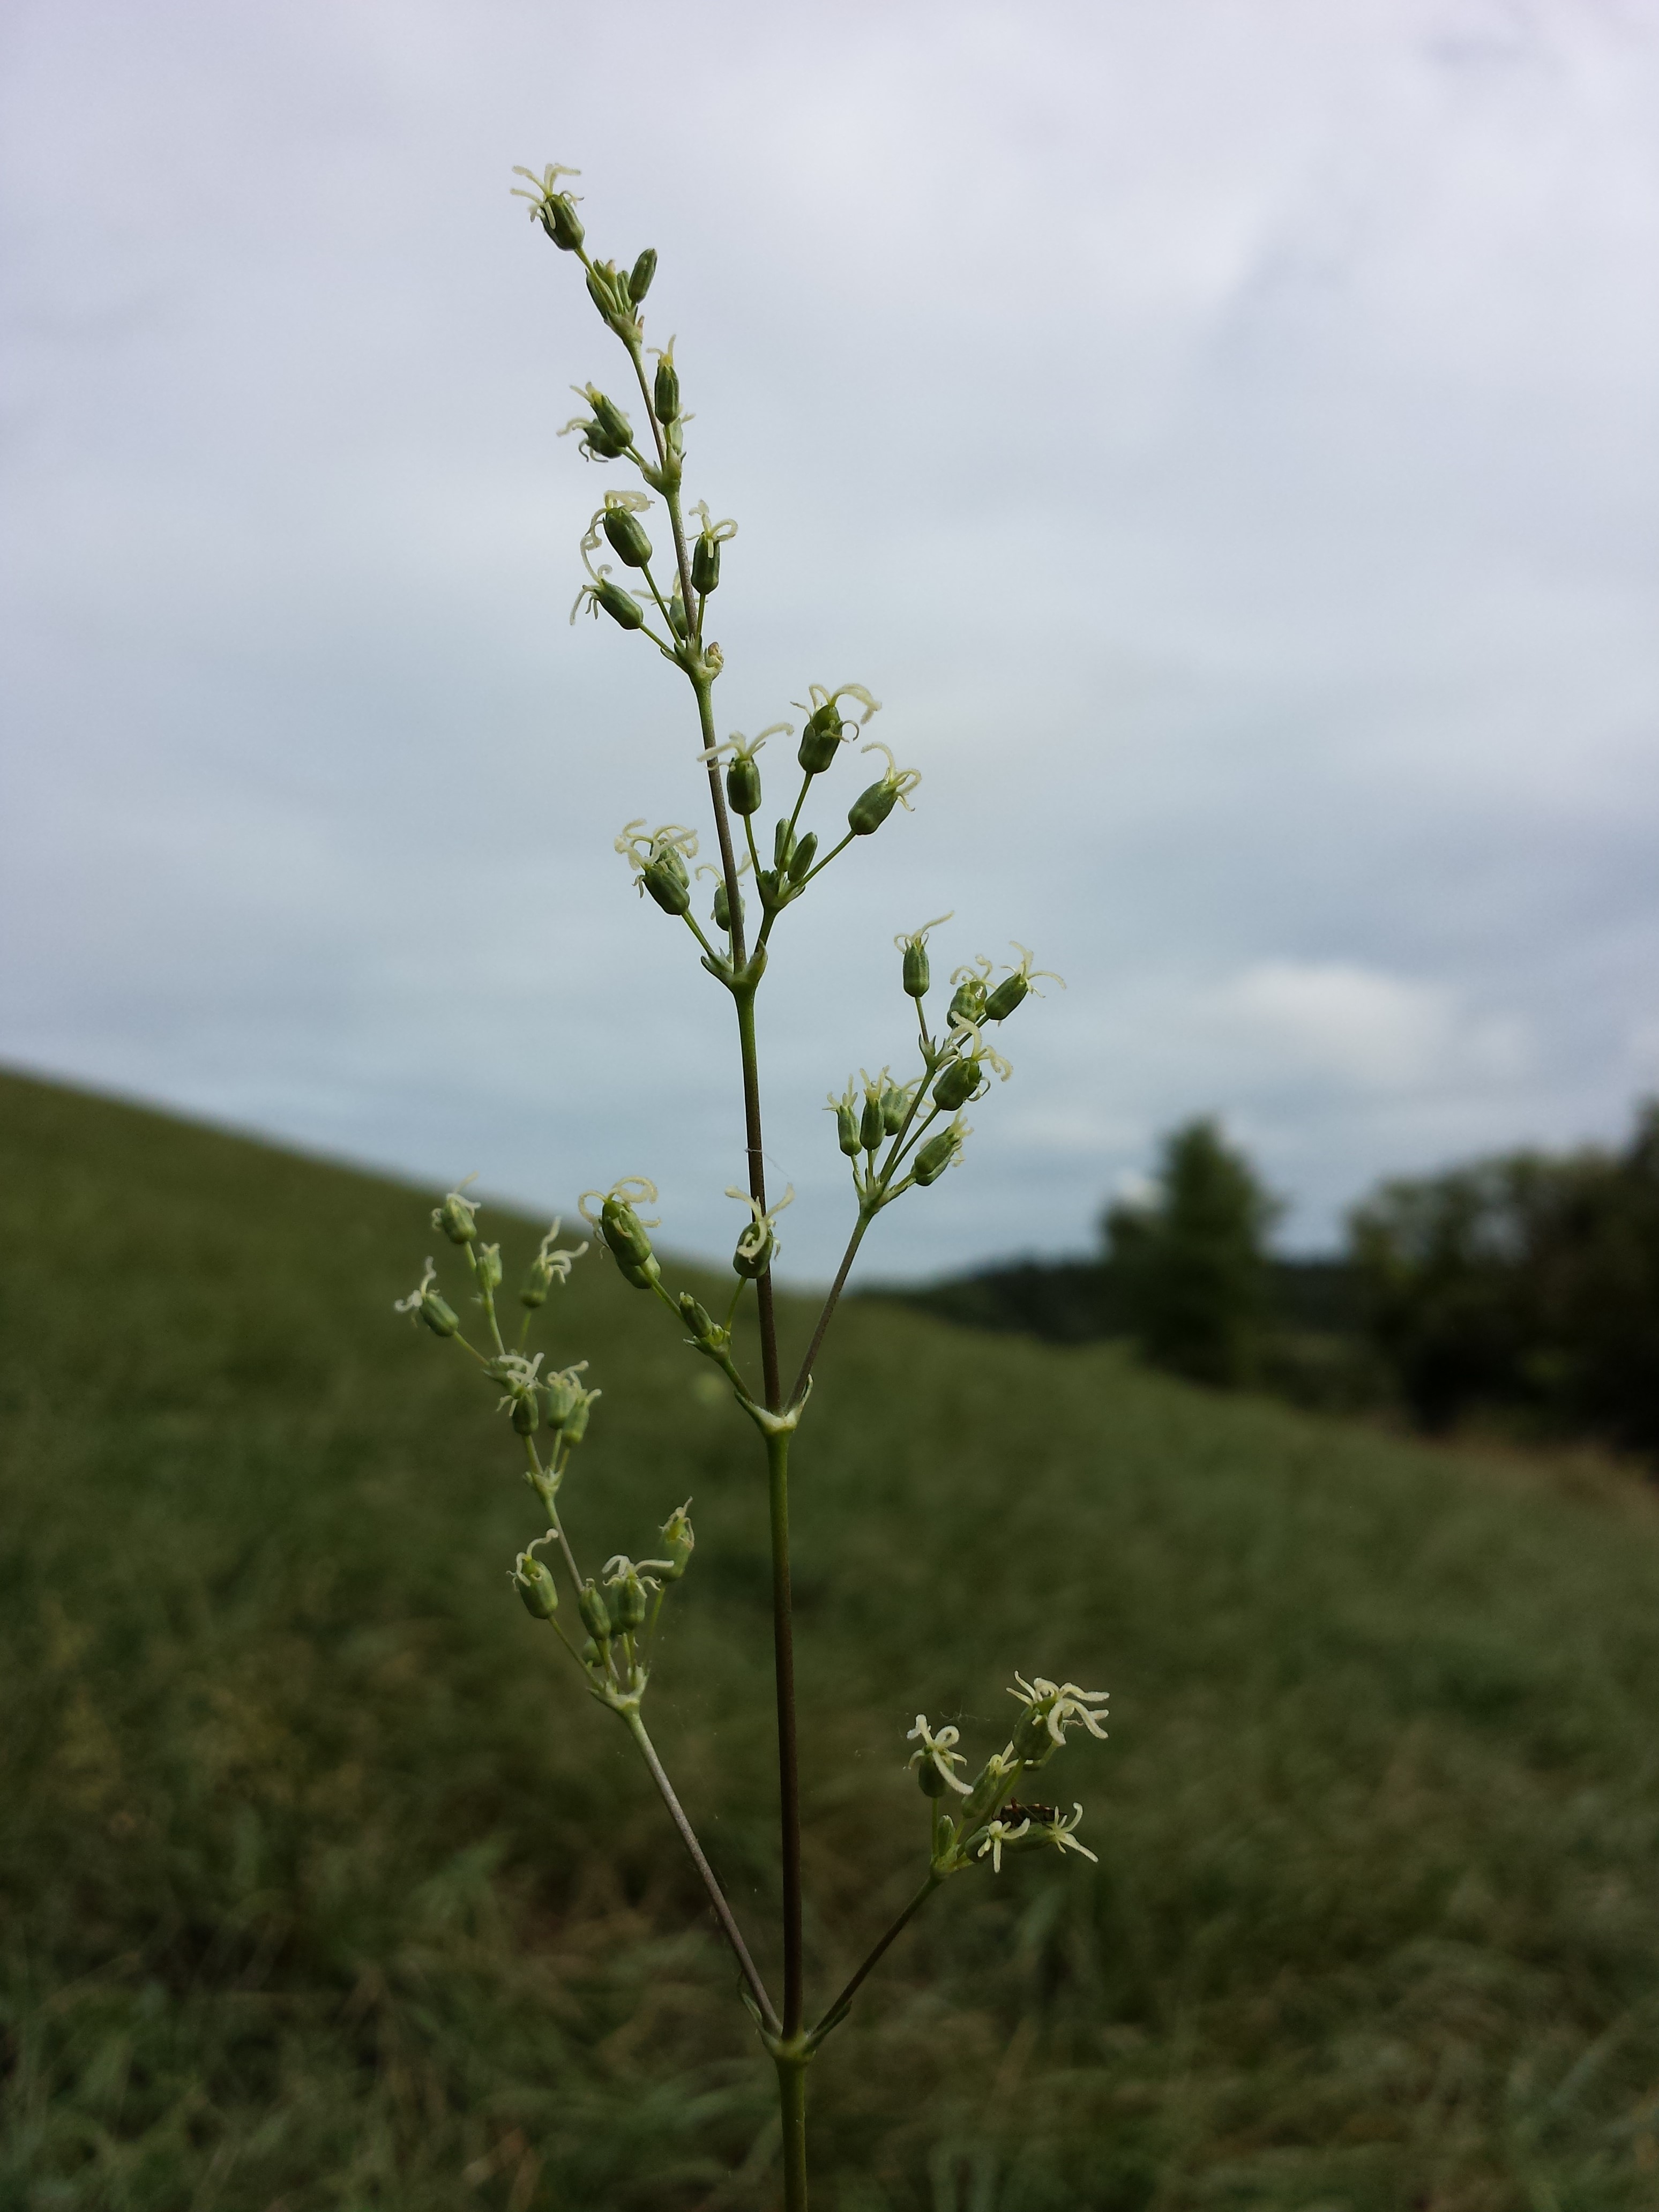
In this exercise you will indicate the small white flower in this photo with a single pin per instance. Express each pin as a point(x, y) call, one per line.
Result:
point(996, 1835)
point(552, 1261)
point(519, 1374)
point(411, 1303)
point(1059, 1703)
point(752, 1241)
point(901, 781)
point(937, 1749)
point(1061, 1833)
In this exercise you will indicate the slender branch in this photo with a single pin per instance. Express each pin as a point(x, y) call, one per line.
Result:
point(831, 1303)
point(783, 1651)
point(729, 1926)
point(874, 1959)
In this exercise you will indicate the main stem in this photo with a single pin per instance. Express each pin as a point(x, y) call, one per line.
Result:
point(783, 1652)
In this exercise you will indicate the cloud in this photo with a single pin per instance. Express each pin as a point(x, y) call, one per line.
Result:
point(1367, 1030)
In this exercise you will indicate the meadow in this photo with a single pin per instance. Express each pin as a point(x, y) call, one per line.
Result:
point(325, 1886)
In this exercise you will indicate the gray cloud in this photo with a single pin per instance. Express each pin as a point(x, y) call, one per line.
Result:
point(1223, 438)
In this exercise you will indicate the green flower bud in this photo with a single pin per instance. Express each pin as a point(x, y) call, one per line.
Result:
point(456, 1217)
point(801, 860)
point(596, 1614)
point(622, 1231)
point(1008, 994)
point(678, 1542)
point(486, 1267)
point(872, 1127)
point(958, 1084)
point(935, 1155)
point(930, 1781)
point(820, 741)
point(676, 621)
point(622, 606)
point(666, 393)
point(918, 976)
point(642, 1277)
point(969, 1004)
point(895, 1105)
point(526, 1414)
point(783, 847)
point(561, 221)
point(626, 1599)
point(536, 1586)
point(847, 1128)
point(611, 425)
point(627, 535)
point(743, 785)
point(706, 563)
point(871, 808)
point(639, 275)
point(590, 1654)
point(666, 884)
point(575, 1427)
point(723, 907)
point(696, 1316)
point(439, 1317)
point(753, 1263)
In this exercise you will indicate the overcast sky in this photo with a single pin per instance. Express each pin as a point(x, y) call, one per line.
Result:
point(1224, 435)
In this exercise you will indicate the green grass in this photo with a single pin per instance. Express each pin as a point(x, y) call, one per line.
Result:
point(323, 1885)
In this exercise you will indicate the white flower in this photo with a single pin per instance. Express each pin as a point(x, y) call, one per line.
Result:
point(1059, 1704)
point(517, 1372)
point(554, 1262)
point(938, 1751)
point(996, 1835)
point(1059, 1834)
point(411, 1303)
point(754, 1239)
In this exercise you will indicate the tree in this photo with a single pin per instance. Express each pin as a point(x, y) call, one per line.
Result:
point(1189, 1266)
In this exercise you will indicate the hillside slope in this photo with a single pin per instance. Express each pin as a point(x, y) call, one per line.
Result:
point(324, 1885)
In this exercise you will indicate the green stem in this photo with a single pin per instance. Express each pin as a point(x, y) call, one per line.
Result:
point(751, 1116)
point(874, 1959)
point(729, 1926)
point(792, 2111)
point(783, 1649)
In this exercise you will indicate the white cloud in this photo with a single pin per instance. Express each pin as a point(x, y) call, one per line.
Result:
point(1363, 1028)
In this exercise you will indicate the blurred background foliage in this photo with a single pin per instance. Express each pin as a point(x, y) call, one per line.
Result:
point(322, 1885)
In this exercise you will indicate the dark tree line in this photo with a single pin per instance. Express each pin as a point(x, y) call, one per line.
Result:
point(1525, 1285)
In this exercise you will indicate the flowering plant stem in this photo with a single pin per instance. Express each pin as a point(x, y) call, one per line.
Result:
point(901, 1135)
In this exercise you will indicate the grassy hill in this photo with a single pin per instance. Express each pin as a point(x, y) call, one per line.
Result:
point(324, 1886)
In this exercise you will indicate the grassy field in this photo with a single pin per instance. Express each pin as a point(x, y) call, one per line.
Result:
point(325, 1887)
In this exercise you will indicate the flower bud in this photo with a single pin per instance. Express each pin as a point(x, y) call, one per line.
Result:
point(437, 1315)
point(1009, 994)
point(930, 1781)
point(801, 860)
point(935, 1155)
point(676, 621)
point(743, 785)
point(456, 1217)
point(639, 275)
point(627, 535)
point(486, 1267)
point(643, 1277)
point(666, 393)
point(820, 741)
point(723, 907)
point(751, 1264)
point(622, 606)
point(526, 1414)
point(668, 884)
point(627, 1602)
point(871, 808)
point(696, 1316)
point(536, 1586)
point(575, 1427)
point(918, 976)
point(872, 1127)
point(706, 563)
point(596, 1615)
point(847, 1128)
point(622, 1231)
point(612, 424)
point(561, 1395)
point(559, 219)
point(895, 1105)
point(783, 847)
point(678, 1542)
point(969, 1004)
point(958, 1084)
